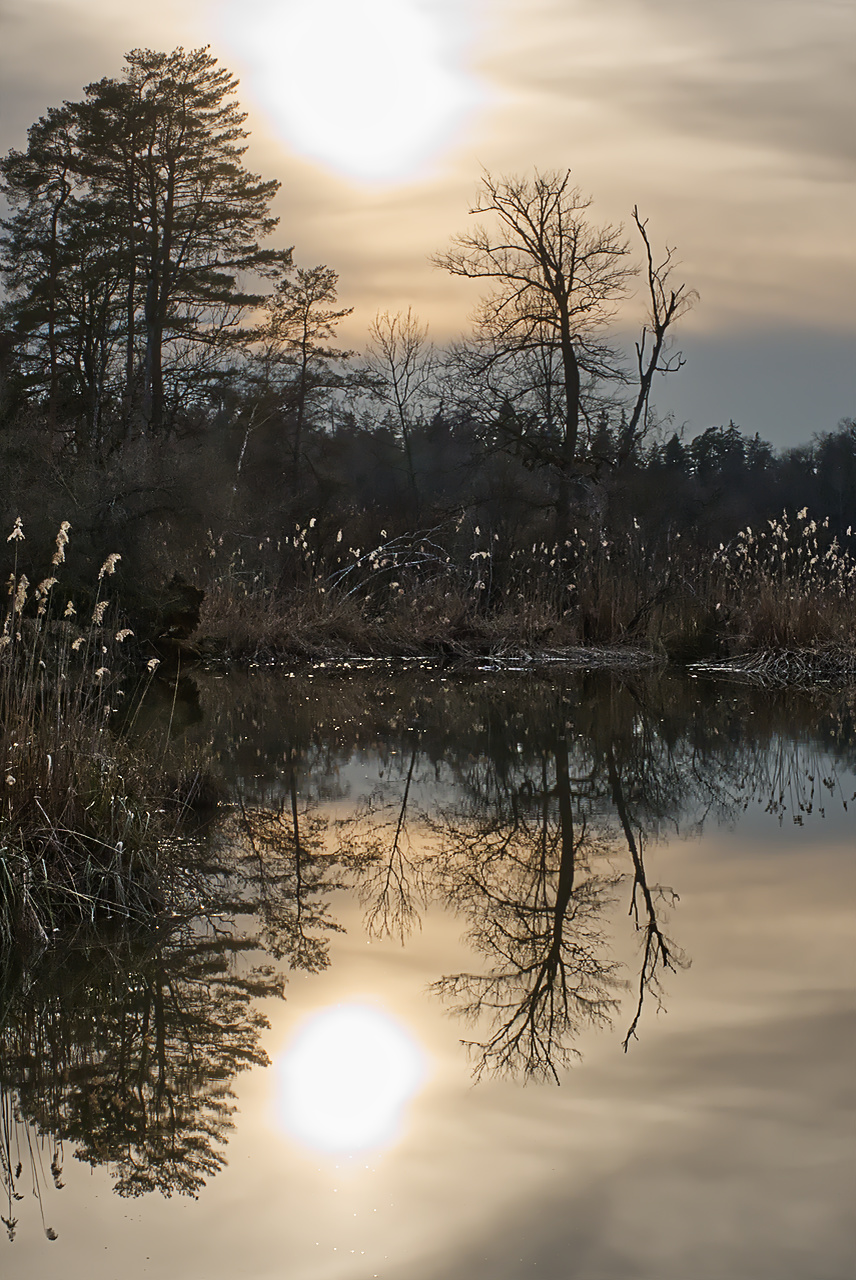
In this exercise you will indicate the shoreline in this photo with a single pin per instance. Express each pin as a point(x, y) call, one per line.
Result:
point(831, 666)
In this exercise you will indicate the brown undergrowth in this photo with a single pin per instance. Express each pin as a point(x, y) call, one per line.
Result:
point(86, 818)
point(788, 586)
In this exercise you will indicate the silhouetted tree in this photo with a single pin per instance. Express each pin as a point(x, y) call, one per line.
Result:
point(133, 222)
point(400, 364)
point(556, 280)
point(295, 366)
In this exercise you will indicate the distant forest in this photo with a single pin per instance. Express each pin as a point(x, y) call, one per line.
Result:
point(173, 386)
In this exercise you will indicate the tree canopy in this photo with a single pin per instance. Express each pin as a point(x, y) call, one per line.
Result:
point(134, 223)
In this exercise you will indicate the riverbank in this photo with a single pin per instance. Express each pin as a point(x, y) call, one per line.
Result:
point(794, 641)
point(790, 587)
point(91, 809)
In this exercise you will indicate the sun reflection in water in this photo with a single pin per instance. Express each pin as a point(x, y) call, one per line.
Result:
point(344, 1081)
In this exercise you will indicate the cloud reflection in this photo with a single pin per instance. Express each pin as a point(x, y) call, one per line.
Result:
point(346, 1078)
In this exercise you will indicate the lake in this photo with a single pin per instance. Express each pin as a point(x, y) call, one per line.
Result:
point(481, 974)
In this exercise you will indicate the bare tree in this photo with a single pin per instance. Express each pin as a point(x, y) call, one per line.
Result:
point(556, 282)
point(667, 303)
point(401, 364)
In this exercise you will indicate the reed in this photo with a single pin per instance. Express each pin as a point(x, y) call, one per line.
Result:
point(789, 585)
point(464, 589)
point(81, 830)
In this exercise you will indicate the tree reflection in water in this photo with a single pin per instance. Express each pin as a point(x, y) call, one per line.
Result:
point(525, 807)
point(128, 1051)
point(533, 886)
point(391, 885)
point(532, 863)
point(127, 1047)
point(556, 796)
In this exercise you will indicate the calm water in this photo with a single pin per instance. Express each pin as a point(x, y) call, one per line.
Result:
point(487, 976)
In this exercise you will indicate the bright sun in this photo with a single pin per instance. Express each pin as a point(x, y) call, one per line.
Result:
point(370, 88)
point(345, 1079)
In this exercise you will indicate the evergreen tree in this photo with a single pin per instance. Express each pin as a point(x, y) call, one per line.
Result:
point(133, 225)
point(294, 364)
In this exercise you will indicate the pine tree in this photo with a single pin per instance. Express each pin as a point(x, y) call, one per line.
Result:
point(295, 361)
point(134, 224)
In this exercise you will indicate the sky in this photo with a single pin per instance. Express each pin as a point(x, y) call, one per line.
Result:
point(731, 126)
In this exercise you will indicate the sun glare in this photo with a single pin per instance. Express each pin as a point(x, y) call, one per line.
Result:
point(344, 1081)
point(370, 88)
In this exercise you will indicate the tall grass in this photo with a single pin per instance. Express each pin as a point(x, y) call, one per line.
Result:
point(464, 588)
point(79, 831)
point(789, 585)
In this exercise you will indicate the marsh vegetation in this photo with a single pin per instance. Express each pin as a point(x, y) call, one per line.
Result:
point(90, 810)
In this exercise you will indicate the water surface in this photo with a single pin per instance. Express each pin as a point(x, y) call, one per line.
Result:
point(489, 976)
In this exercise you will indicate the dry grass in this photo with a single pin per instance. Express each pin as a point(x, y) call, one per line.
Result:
point(308, 623)
point(80, 830)
point(462, 590)
point(788, 586)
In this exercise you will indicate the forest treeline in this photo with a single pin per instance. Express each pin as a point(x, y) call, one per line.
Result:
point(173, 386)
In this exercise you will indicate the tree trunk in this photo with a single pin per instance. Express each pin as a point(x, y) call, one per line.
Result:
point(570, 435)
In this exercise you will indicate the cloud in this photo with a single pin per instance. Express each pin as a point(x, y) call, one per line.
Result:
point(773, 75)
point(787, 384)
point(735, 1161)
point(52, 48)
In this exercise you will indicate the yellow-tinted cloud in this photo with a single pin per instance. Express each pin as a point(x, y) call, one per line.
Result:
point(729, 124)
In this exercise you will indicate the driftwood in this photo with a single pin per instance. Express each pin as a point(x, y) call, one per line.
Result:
point(791, 668)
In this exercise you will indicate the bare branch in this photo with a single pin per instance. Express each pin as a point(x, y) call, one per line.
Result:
point(666, 303)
